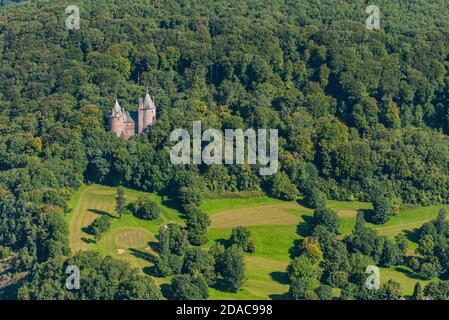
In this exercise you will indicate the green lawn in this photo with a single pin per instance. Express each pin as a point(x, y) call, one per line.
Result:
point(276, 226)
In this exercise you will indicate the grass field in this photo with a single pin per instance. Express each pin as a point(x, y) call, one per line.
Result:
point(275, 225)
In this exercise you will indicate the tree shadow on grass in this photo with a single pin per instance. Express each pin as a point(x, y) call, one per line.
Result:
point(166, 291)
point(293, 251)
point(304, 228)
point(280, 277)
point(301, 202)
point(143, 255)
point(153, 245)
point(172, 204)
point(368, 215)
point(220, 286)
point(87, 230)
point(412, 235)
point(225, 242)
point(150, 271)
point(89, 241)
point(407, 272)
point(284, 296)
point(102, 213)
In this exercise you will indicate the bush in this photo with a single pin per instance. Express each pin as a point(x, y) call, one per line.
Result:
point(4, 252)
point(172, 239)
point(187, 287)
point(299, 291)
point(327, 218)
point(231, 267)
point(324, 292)
point(429, 270)
point(240, 236)
point(189, 196)
point(100, 226)
point(282, 188)
point(197, 223)
point(382, 210)
point(314, 198)
point(146, 209)
point(169, 264)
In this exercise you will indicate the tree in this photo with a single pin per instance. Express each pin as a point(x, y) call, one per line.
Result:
point(429, 270)
point(327, 218)
point(392, 116)
point(314, 198)
point(146, 209)
point(99, 226)
point(120, 201)
point(391, 255)
point(200, 262)
point(188, 197)
point(390, 291)
point(240, 236)
point(169, 264)
point(172, 239)
point(299, 291)
point(382, 209)
point(231, 267)
point(197, 224)
point(47, 280)
point(310, 247)
point(324, 292)
point(307, 270)
point(437, 290)
point(282, 188)
point(187, 287)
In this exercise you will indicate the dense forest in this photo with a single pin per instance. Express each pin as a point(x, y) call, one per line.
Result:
point(362, 114)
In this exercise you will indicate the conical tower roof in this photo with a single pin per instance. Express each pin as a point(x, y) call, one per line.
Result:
point(117, 109)
point(148, 103)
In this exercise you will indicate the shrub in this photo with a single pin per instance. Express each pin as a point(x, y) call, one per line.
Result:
point(189, 196)
point(231, 267)
point(169, 264)
point(314, 198)
point(197, 223)
point(145, 208)
point(282, 188)
point(4, 252)
point(324, 292)
point(100, 226)
point(382, 210)
point(187, 287)
point(240, 236)
point(327, 218)
point(429, 270)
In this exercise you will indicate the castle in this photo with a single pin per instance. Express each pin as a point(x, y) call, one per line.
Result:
point(123, 123)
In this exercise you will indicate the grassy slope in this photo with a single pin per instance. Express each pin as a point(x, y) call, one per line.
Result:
point(276, 226)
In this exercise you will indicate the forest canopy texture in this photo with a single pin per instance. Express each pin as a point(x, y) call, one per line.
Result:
point(362, 114)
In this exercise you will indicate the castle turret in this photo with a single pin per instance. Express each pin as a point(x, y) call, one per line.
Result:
point(115, 119)
point(147, 113)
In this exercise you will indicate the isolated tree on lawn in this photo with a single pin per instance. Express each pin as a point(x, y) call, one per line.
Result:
point(146, 209)
point(231, 267)
point(382, 209)
point(120, 198)
point(326, 217)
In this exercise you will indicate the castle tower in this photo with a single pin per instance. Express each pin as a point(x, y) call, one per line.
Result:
point(128, 125)
point(146, 113)
point(115, 119)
